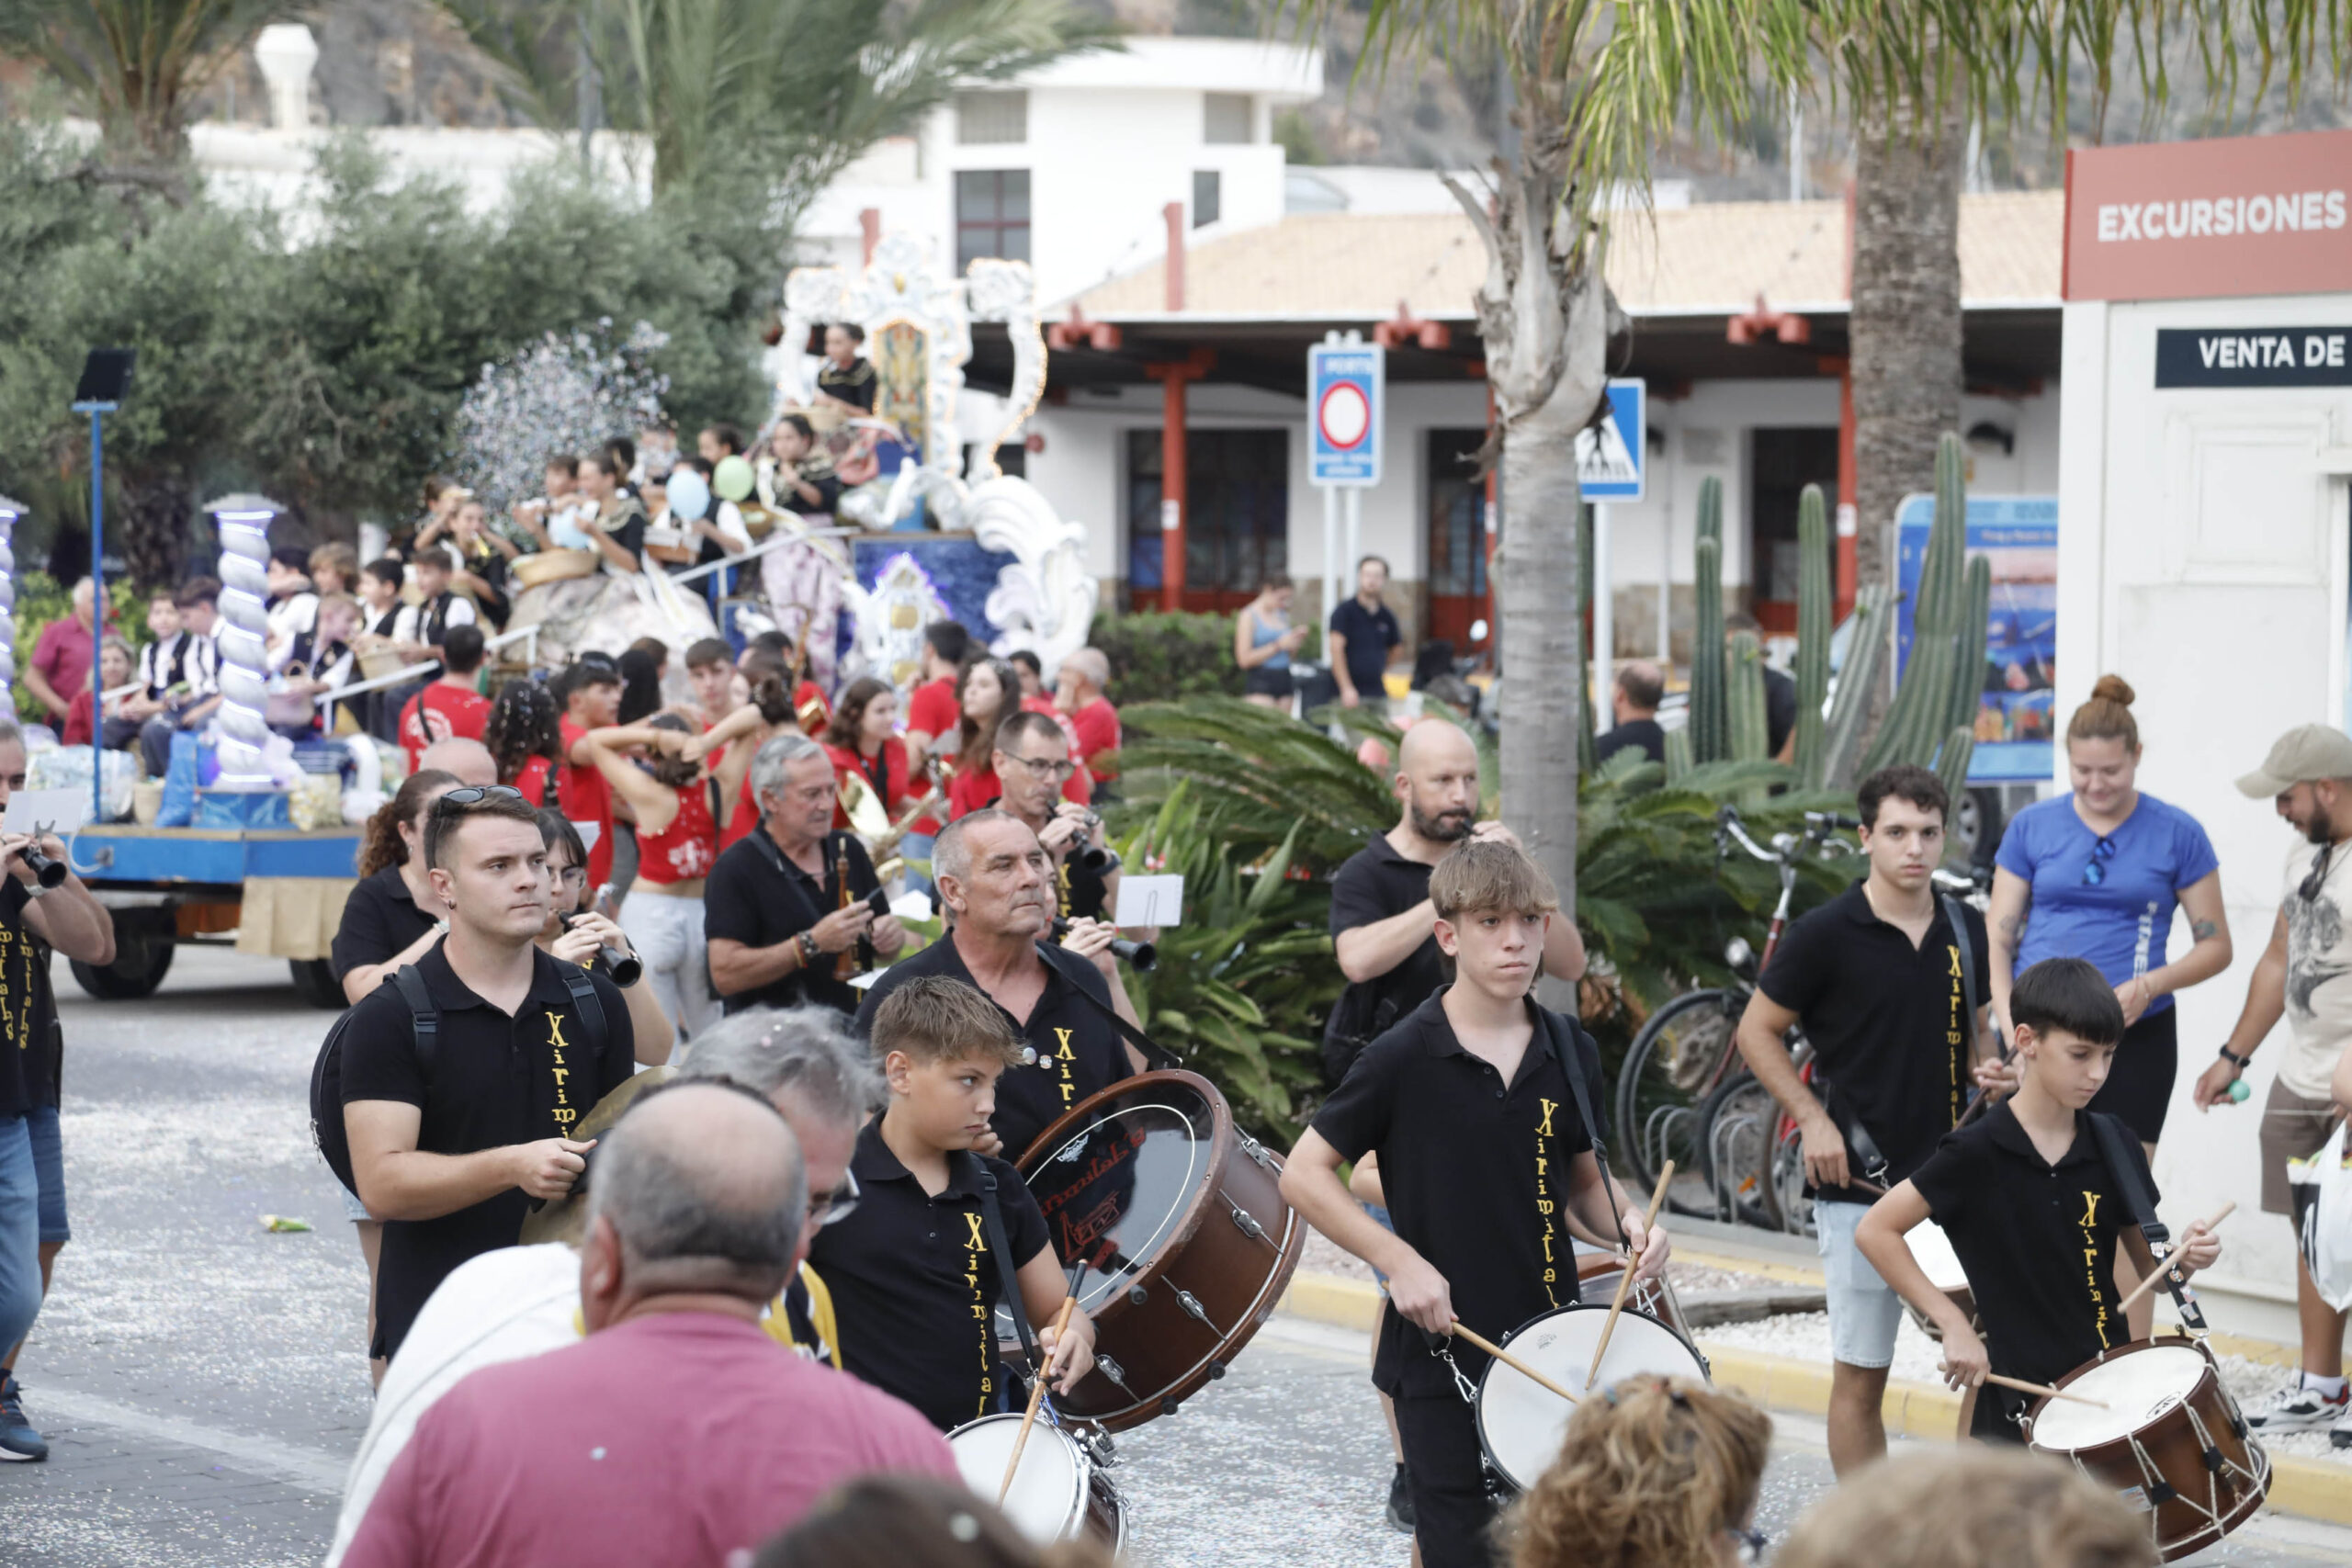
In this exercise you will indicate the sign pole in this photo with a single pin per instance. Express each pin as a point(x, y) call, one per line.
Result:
point(1355, 541)
point(1330, 554)
point(1604, 614)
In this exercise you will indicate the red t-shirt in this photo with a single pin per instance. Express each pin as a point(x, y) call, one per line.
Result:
point(894, 774)
point(704, 1437)
point(532, 782)
point(931, 710)
point(812, 709)
point(585, 797)
point(77, 721)
point(686, 849)
point(743, 819)
point(967, 793)
point(441, 713)
point(1098, 731)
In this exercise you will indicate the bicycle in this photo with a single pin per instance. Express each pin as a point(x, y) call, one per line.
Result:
point(1670, 1087)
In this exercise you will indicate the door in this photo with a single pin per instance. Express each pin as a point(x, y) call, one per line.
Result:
point(1457, 533)
point(1781, 462)
point(1236, 524)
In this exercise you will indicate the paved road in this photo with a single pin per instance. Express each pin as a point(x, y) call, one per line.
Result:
point(202, 1383)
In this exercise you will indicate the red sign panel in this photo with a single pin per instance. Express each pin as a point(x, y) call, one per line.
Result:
point(2211, 219)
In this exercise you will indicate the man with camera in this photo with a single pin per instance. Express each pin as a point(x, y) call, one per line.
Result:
point(456, 1128)
point(1031, 762)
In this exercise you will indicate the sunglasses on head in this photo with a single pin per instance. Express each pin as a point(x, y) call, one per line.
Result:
point(474, 795)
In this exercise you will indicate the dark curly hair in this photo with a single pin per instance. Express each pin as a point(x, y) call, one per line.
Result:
point(381, 845)
point(524, 723)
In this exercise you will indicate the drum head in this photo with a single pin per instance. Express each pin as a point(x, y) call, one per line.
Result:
point(1521, 1422)
point(1933, 1251)
point(1120, 1187)
point(1049, 1493)
point(2137, 1387)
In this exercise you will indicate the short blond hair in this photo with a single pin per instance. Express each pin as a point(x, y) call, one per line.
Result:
point(935, 1019)
point(1481, 875)
point(1649, 1474)
point(1928, 1510)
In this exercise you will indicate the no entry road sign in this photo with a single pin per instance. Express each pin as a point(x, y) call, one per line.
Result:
point(1344, 385)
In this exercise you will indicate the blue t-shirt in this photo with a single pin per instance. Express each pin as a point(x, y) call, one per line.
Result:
point(2122, 922)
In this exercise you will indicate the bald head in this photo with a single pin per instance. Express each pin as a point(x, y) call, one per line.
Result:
point(469, 760)
point(702, 1188)
point(1433, 741)
point(1437, 779)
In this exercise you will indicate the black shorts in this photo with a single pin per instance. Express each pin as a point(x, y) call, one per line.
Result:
point(1999, 1415)
point(1453, 1508)
point(1265, 681)
point(2139, 1086)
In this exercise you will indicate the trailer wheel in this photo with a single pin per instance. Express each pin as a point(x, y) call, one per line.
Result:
point(315, 983)
point(142, 959)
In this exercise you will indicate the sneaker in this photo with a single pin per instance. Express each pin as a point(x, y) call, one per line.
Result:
point(2301, 1408)
point(19, 1441)
point(1400, 1503)
point(2340, 1435)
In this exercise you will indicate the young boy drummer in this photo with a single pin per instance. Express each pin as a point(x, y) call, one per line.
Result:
point(1482, 1155)
point(911, 1267)
point(2031, 1207)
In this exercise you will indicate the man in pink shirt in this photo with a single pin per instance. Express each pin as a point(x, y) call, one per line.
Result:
point(61, 663)
point(677, 1431)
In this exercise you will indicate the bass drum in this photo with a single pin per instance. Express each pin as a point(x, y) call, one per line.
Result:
point(1059, 1492)
point(1179, 1219)
point(1521, 1422)
point(1933, 1251)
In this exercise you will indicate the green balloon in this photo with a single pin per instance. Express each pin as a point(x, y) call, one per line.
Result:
point(732, 478)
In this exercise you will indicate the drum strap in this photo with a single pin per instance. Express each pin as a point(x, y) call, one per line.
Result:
point(2119, 1150)
point(1000, 1243)
point(1557, 1032)
point(1159, 1055)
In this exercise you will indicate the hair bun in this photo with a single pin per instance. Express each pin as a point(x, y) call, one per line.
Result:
point(2114, 689)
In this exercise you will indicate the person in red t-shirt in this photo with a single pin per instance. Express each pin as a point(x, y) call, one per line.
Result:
point(525, 735)
point(861, 743)
point(738, 738)
point(932, 718)
point(588, 689)
point(677, 842)
point(450, 707)
point(1079, 692)
point(988, 694)
point(718, 1437)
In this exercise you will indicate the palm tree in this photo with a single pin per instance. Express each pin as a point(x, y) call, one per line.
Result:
point(1592, 87)
point(775, 97)
point(137, 64)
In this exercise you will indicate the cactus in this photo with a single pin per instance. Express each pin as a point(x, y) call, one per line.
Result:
point(1926, 702)
point(1745, 725)
point(1842, 732)
point(1968, 683)
point(1709, 740)
point(1814, 618)
point(1677, 754)
point(1952, 766)
point(1587, 700)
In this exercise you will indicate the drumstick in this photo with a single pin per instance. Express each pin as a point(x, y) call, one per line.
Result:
point(1513, 1363)
point(1036, 1398)
point(2164, 1267)
point(2042, 1388)
point(1626, 1279)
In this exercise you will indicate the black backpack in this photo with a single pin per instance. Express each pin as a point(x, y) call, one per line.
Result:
point(326, 1073)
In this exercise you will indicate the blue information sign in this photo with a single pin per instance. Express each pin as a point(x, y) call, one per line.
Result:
point(2019, 534)
point(1611, 456)
point(1344, 386)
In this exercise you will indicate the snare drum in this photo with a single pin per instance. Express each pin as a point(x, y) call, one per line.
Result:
point(2171, 1441)
point(1934, 1253)
point(1521, 1422)
point(1597, 1281)
point(1059, 1492)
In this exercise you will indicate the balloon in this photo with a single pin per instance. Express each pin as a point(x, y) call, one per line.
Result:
point(732, 478)
point(689, 495)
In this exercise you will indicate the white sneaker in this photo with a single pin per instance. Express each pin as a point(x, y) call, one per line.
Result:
point(2302, 1408)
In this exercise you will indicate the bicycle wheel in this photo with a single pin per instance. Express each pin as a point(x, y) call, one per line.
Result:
point(1739, 1122)
point(1676, 1061)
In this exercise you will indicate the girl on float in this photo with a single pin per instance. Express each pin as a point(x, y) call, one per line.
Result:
point(2096, 875)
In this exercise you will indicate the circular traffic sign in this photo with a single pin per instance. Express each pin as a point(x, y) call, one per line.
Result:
point(1344, 417)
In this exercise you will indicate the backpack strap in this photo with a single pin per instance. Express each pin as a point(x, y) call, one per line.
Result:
point(424, 1019)
point(1159, 1055)
point(2119, 1150)
point(586, 1003)
point(1007, 1270)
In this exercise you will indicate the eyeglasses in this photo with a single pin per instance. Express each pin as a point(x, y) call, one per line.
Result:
point(832, 1208)
point(2094, 869)
point(1752, 1541)
point(474, 795)
point(2311, 884)
point(1046, 767)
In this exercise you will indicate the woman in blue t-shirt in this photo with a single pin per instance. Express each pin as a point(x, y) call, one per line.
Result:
point(2099, 871)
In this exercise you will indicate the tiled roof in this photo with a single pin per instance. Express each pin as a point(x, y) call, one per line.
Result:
point(1698, 259)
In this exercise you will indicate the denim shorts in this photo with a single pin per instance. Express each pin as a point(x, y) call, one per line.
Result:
point(1379, 1217)
point(48, 1169)
point(1864, 1310)
point(353, 1209)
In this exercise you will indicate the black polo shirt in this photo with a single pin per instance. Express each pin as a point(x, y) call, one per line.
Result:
point(30, 1041)
point(758, 896)
point(1079, 1051)
point(494, 1080)
point(1643, 735)
point(379, 918)
point(1370, 634)
point(914, 1280)
point(2037, 1240)
point(1475, 1172)
point(1377, 883)
point(1889, 1025)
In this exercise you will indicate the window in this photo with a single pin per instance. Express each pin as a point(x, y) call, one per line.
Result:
point(988, 119)
point(1205, 190)
point(991, 215)
point(1224, 118)
point(1236, 524)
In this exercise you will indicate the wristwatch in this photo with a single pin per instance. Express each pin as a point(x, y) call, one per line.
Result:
point(2240, 1062)
point(808, 949)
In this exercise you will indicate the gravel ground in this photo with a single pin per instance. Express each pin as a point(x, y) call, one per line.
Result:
point(1324, 1257)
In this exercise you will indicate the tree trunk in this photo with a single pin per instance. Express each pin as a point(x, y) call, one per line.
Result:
point(1905, 326)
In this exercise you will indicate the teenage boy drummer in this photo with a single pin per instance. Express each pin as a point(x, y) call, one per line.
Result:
point(1482, 1157)
point(2031, 1207)
point(912, 1269)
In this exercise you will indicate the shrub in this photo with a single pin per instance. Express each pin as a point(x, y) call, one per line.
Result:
point(1164, 655)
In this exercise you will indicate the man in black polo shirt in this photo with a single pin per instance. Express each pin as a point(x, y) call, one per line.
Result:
point(1879, 980)
point(1031, 763)
point(448, 1147)
point(1362, 630)
point(772, 909)
point(998, 881)
point(1482, 1157)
